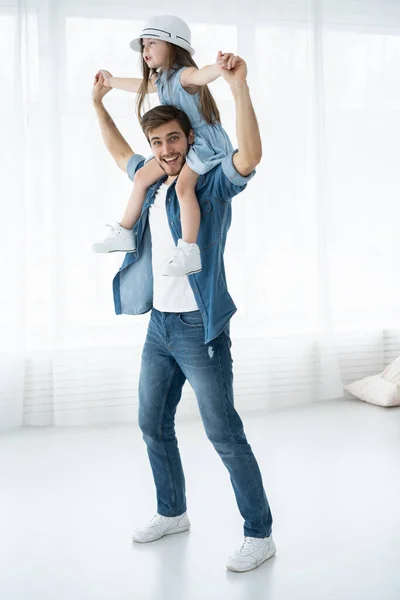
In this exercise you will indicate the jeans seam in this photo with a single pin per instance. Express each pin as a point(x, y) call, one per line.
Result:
point(224, 389)
point(249, 460)
point(251, 467)
point(161, 435)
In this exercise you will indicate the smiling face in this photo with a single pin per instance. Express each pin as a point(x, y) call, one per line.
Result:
point(170, 147)
point(154, 52)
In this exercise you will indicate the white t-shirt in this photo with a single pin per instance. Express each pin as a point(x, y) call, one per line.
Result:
point(171, 294)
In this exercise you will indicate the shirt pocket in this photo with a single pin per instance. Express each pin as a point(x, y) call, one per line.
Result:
point(209, 233)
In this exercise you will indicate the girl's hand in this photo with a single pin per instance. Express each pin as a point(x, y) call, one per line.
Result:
point(106, 76)
point(224, 60)
point(99, 90)
point(232, 67)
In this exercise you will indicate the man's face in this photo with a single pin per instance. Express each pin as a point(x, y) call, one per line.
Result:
point(170, 147)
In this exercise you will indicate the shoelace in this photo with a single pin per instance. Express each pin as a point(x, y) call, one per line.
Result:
point(112, 228)
point(155, 519)
point(248, 546)
point(115, 231)
point(177, 257)
point(187, 250)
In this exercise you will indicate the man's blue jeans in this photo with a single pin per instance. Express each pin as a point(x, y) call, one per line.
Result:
point(174, 351)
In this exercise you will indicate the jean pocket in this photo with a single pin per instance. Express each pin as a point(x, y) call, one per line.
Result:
point(191, 319)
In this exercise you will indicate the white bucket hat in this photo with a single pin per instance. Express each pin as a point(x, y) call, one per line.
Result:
point(168, 28)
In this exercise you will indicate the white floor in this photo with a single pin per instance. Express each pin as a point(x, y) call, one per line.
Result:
point(70, 499)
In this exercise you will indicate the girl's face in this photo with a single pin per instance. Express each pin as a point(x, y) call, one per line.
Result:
point(154, 52)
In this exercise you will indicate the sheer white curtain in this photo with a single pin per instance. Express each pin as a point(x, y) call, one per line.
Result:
point(313, 249)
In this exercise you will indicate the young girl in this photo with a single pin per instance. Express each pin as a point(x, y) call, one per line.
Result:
point(169, 69)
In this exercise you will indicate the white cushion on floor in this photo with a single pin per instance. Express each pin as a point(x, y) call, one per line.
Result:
point(392, 372)
point(376, 390)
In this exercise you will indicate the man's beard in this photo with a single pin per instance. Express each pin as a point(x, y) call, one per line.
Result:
point(171, 171)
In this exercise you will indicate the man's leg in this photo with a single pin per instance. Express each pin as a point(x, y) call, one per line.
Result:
point(160, 388)
point(208, 369)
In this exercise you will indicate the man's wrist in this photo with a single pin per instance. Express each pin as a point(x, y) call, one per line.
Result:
point(98, 104)
point(239, 87)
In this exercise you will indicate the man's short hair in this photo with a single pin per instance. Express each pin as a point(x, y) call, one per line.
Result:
point(160, 115)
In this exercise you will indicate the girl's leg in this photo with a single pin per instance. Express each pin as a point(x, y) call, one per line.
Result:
point(121, 237)
point(187, 258)
point(190, 209)
point(144, 177)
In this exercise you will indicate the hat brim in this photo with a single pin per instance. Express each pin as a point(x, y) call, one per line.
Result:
point(136, 44)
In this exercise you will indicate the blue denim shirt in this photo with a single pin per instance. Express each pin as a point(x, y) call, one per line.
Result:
point(133, 284)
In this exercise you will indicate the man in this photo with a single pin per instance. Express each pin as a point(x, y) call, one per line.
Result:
point(188, 334)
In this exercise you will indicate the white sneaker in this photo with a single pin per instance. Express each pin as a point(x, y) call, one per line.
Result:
point(119, 239)
point(252, 553)
point(184, 261)
point(160, 526)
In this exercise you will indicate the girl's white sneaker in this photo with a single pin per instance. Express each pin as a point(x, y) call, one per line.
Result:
point(119, 239)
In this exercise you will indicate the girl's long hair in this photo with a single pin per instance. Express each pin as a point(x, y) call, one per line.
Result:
point(177, 58)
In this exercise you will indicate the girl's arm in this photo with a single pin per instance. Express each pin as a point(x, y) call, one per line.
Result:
point(192, 78)
point(131, 84)
point(127, 84)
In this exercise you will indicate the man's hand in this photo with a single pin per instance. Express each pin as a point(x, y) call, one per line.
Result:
point(99, 88)
point(232, 68)
point(107, 77)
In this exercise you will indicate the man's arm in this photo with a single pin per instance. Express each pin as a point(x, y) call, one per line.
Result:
point(117, 146)
point(247, 131)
